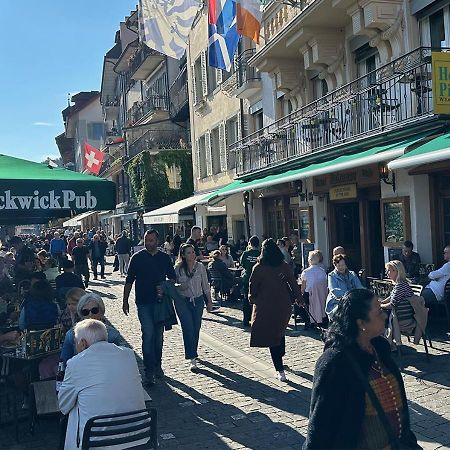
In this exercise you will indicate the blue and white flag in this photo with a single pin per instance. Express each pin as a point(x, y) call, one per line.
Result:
point(167, 23)
point(222, 33)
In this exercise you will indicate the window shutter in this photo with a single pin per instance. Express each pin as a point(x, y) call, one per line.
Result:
point(209, 165)
point(204, 74)
point(194, 85)
point(218, 76)
point(239, 126)
point(198, 157)
point(223, 148)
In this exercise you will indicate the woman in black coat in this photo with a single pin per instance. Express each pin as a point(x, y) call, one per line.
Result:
point(342, 414)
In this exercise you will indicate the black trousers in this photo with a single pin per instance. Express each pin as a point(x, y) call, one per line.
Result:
point(277, 354)
point(246, 307)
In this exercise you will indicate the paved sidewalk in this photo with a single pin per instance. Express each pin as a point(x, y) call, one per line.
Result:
point(235, 402)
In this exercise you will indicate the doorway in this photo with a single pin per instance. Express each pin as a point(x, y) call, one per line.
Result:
point(375, 247)
point(347, 231)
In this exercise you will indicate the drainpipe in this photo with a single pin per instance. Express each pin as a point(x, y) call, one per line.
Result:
point(247, 215)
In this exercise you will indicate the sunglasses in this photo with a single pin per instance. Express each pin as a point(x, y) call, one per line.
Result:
point(94, 310)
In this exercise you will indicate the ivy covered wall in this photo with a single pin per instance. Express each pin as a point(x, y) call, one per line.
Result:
point(149, 180)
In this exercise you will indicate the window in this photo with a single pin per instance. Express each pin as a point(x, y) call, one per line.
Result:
point(174, 177)
point(201, 157)
point(232, 135)
point(212, 79)
point(157, 87)
point(95, 131)
point(215, 151)
point(320, 88)
point(197, 78)
point(257, 120)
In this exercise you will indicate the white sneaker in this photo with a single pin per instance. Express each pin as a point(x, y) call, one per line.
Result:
point(193, 365)
point(281, 375)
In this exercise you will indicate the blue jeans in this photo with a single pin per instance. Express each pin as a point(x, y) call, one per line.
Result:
point(190, 316)
point(152, 338)
point(98, 260)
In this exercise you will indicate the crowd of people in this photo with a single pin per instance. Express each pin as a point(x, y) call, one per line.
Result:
point(173, 285)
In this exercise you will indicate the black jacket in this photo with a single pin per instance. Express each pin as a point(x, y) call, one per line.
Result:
point(123, 245)
point(338, 398)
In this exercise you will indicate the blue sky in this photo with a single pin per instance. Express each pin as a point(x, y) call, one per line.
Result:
point(48, 49)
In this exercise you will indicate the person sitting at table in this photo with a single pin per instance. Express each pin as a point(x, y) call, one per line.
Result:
point(340, 281)
point(339, 250)
point(401, 292)
point(40, 310)
point(410, 261)
point(435, 290)
point(210, 244)
point(101, 379)
point(90, 306)
point(230, 283)
point(69, 317)
point(225, 256)
point(67, 280)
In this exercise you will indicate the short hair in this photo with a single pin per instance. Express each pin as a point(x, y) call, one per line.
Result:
point(67, 264)
point(281, 242)
point(254, 241)
point(42, 253)
point(408, 244)
point(314, 257)
point(215, 254)
point(399, 268)
point(151, 231)
point(91, 331)
point(338, 258)
point(337, 249)
point(90, 297)
point(75, 294)
point(195, 227)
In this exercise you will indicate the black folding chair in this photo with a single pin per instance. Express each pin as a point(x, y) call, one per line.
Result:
point(216, 282)
point(117, 429)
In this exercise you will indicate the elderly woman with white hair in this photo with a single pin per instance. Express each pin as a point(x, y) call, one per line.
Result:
point(90, 306)
point(314, 287)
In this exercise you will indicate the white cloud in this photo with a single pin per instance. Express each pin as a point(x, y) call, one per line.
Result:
point(43, 124)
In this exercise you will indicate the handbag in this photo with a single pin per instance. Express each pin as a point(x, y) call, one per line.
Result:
point(407, 442)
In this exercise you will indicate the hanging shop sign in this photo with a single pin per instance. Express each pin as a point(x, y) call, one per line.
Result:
point(440, 63)
point(343, 192)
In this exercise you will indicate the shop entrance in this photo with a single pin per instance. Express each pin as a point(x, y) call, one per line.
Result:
point(347, 233)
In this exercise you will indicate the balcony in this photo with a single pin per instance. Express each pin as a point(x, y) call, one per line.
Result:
point(148, 106)
point(155, 140)
point(111, 108)
point(179, 97)
point(396, 95)
point(248, 77)
point(144, 62)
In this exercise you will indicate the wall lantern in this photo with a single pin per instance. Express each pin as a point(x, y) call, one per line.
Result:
point(387, 176)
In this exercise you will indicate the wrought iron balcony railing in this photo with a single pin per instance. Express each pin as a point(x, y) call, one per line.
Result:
point(141, 55)
point(178, 93)
point(150, 104)
point(245, 72)
point(111, 101)
point(155, 140)
point(394, 95)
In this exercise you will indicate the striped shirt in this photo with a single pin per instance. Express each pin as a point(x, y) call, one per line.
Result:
point(399, 300)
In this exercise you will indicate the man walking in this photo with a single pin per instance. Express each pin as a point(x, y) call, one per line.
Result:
point(149, 268)
point(98, 250)
point(194, 238)
point(123, 249)
point(80, 256)
point(58, 249)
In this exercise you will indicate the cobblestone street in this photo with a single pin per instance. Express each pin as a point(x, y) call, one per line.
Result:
point(235, 402)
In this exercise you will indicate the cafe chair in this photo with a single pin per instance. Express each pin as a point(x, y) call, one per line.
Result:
point(43, 401)
point(114, 430)
point(446, 302)
point(216, 282)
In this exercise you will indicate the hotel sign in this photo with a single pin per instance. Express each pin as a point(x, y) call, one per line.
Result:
point(440, 62)
point(343, 192)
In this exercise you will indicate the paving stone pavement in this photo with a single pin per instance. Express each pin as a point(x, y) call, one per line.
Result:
point(235, 402)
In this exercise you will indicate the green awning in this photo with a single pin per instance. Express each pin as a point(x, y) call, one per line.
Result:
point(370, 156)
point(435, 150)
point(34, 193)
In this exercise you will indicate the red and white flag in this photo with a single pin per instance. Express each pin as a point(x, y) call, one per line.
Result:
point(93, 158)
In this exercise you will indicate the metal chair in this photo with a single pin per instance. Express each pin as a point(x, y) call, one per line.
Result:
point(216, 282)
point(417, 289)
point(113, 430)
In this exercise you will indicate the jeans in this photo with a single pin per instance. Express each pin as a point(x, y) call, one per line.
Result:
point(429, 297)
point(124, 259)
point(95, 262)
point(83, 271)
point(277, 354)
point(190, 315)
point(152, 338)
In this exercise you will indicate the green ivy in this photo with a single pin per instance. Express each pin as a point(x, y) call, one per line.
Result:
point(149, 180)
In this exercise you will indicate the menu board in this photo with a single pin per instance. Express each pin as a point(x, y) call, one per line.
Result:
point(306, 247)
point(396, 221)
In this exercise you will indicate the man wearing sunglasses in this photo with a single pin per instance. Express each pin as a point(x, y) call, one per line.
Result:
point(148, 269)
point(434, 291)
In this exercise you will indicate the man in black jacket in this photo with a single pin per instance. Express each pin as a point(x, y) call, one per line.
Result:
point(123, 249)
point(98, 250)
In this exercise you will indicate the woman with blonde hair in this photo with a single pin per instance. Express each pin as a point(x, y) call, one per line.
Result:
point(314, 287)
point(400, 293)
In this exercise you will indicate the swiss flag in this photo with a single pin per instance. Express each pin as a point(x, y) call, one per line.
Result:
point(93, 158)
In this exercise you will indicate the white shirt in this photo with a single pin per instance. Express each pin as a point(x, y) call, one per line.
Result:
point(438, 279)
point(193, 286)
point(312, 275)
point(103, 379)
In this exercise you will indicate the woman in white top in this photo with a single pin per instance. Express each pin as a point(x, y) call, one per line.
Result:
point(193, 287)
point(225, 256)
point(314, 286)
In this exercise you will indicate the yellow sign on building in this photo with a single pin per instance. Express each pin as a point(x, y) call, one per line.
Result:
point(440, 62)
point(343, 192)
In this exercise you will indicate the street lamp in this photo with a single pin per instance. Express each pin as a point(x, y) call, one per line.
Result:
point(387, 176)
